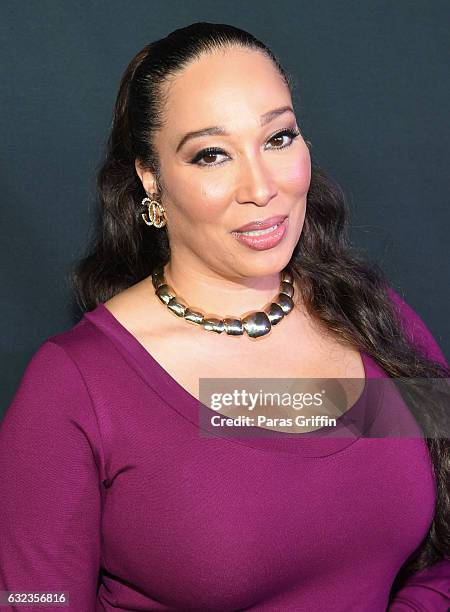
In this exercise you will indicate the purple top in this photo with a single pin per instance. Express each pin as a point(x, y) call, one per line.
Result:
point(110, 493)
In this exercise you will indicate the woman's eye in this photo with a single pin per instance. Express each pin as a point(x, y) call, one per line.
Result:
point(291, 134)
point(211, 154)
point(206, 155)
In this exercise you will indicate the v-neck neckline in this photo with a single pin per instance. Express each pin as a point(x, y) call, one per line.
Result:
point(318, 443)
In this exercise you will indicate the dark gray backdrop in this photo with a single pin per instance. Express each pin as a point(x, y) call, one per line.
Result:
point(373, 85)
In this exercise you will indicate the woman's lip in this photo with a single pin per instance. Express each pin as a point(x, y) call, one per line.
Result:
point(262, 224)
point(265, 241)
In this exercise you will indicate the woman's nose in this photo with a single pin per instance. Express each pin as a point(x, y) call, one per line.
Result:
point(256, 184)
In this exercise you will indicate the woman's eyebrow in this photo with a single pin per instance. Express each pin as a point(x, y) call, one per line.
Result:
point(220, 130)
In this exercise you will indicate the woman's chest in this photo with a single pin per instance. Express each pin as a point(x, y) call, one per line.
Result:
point(181, 510)
point(190, 364)
point(206, 510)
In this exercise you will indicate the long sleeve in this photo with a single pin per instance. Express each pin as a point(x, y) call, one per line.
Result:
point(428, 590)
point(50, 502)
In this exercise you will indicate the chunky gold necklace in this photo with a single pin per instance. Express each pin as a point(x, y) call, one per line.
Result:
point(258, 323)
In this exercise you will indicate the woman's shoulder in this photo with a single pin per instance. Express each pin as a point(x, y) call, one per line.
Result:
point(80, 339)
point(415, 328)
point(78, 349)
point(65, 374)
point(94, 344)
point(52, 391)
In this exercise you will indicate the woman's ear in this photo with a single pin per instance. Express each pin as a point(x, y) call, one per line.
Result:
point(147, 177)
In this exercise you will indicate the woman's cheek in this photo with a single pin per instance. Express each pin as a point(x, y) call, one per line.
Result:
point(296, 174)
point(215, 194)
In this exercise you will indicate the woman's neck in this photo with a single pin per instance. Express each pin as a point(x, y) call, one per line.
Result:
point(223, 295)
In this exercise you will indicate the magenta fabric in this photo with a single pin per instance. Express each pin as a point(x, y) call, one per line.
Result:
point(109, 492)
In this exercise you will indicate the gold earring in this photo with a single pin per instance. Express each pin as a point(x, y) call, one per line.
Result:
point(156, 213)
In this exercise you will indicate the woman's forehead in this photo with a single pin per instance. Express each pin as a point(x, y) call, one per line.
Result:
point(216, 72)
point(222, 88)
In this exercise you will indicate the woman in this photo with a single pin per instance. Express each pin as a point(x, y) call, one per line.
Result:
point(110, 492)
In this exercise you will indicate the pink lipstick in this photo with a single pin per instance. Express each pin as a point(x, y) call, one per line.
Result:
point(263, 235)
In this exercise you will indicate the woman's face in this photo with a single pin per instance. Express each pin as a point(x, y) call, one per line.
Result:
point(258, 168)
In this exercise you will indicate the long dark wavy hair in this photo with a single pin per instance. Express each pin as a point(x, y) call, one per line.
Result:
point(340, 289)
